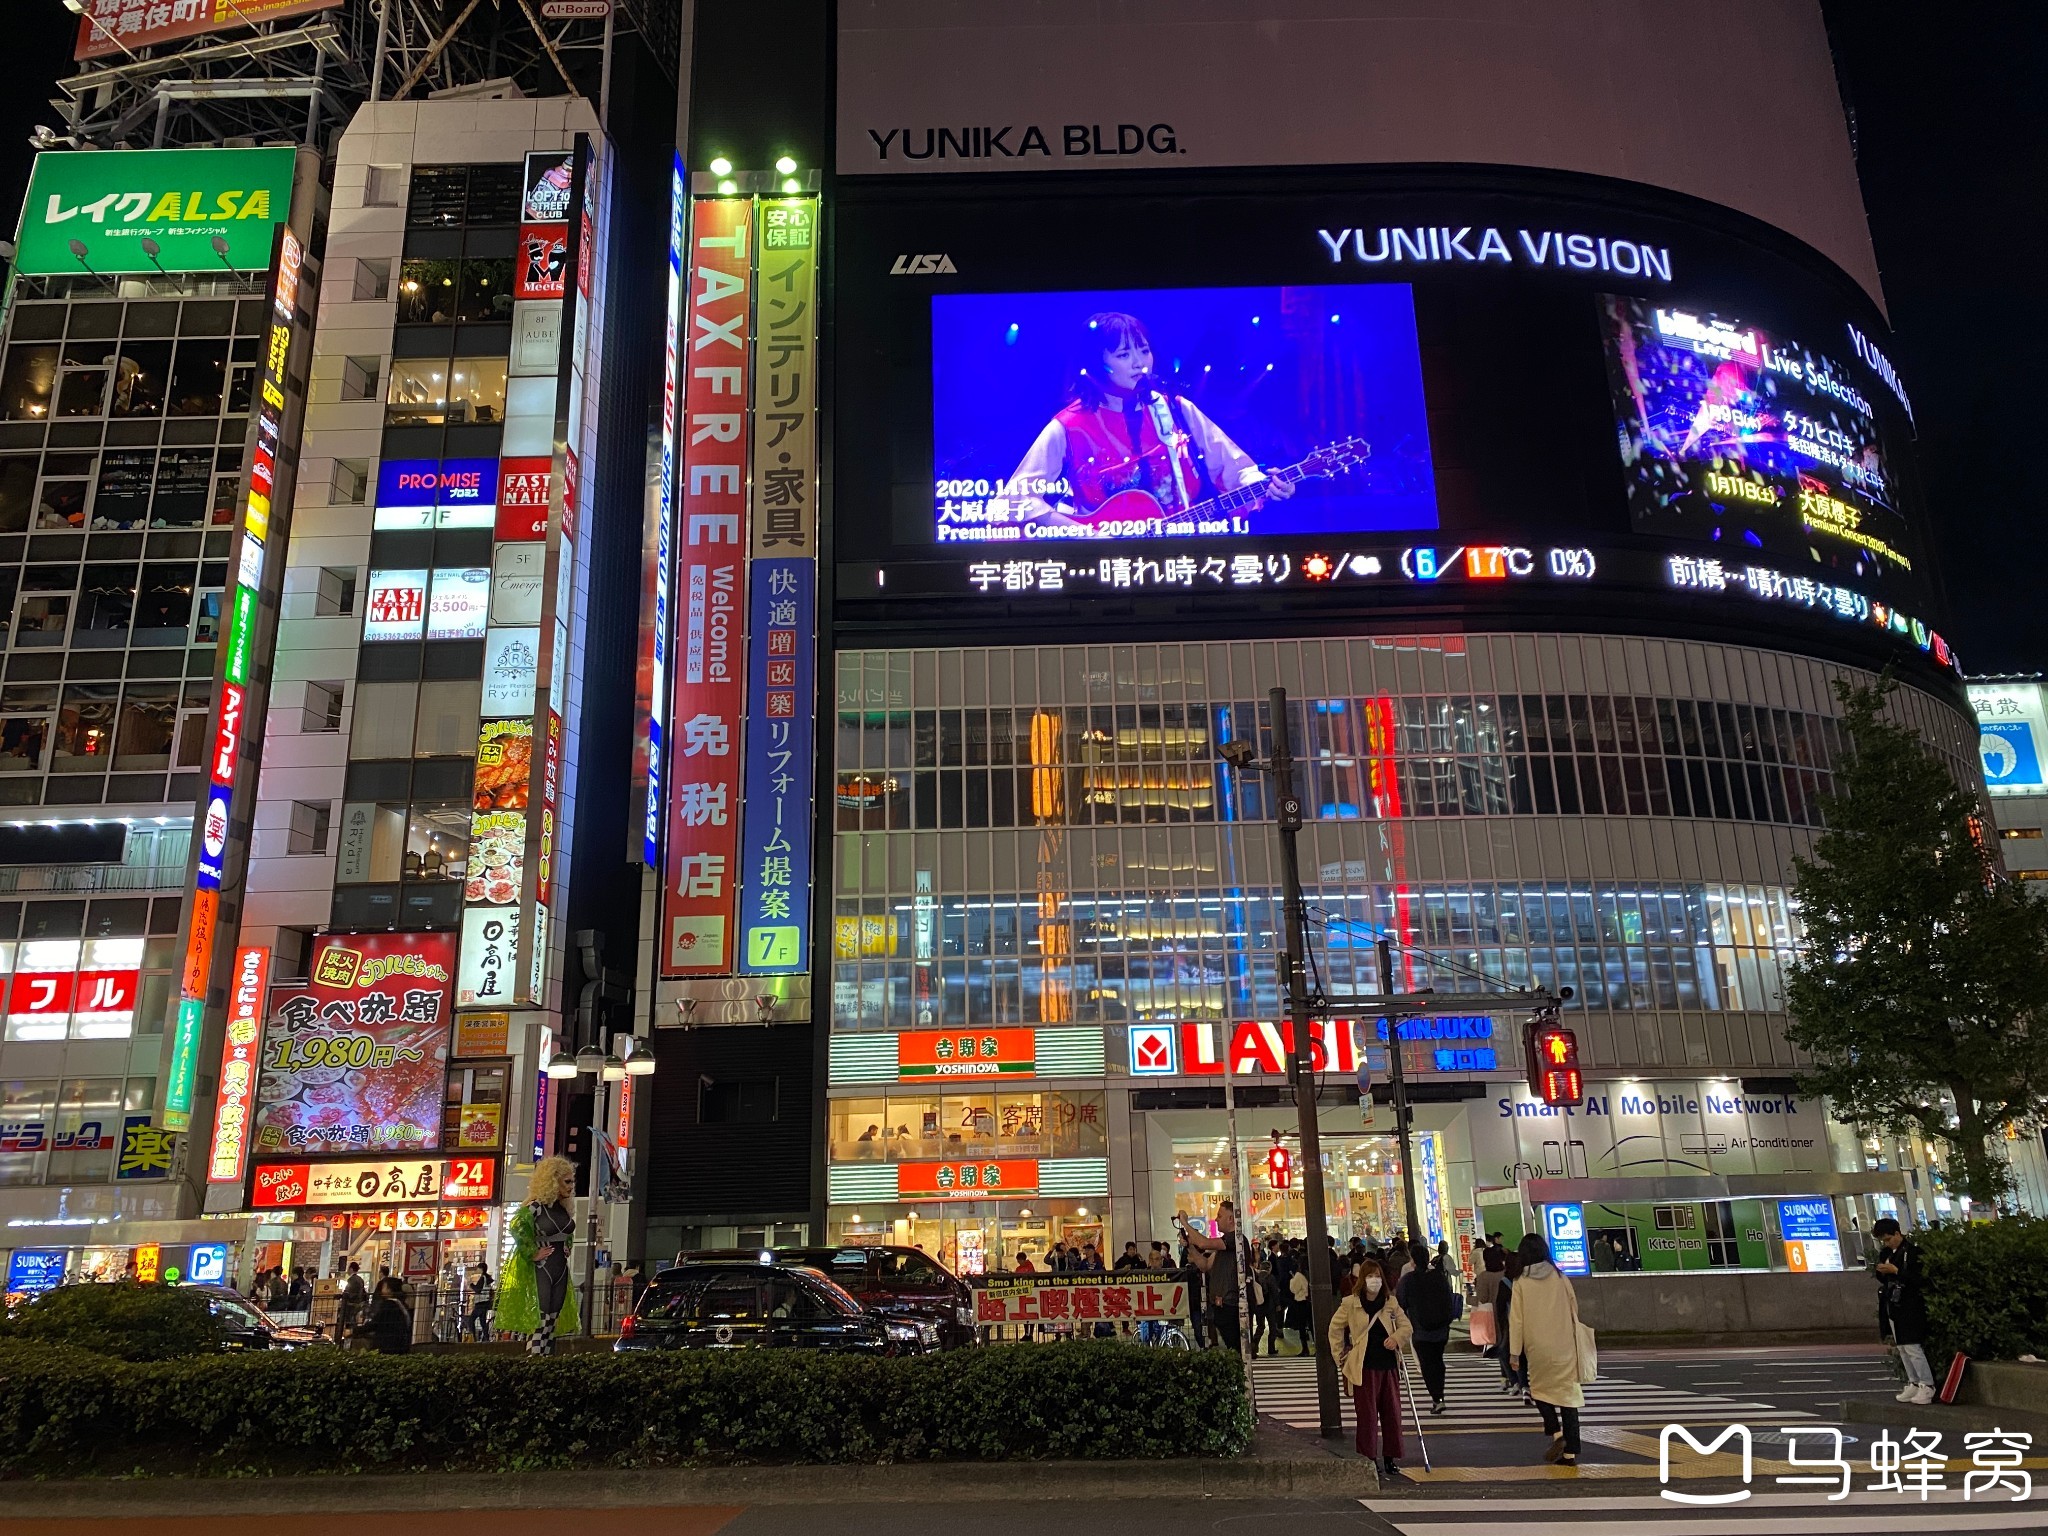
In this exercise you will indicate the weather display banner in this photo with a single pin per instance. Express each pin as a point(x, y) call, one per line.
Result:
point(1140, 414)
point(357, 1061)
point(1736, 436)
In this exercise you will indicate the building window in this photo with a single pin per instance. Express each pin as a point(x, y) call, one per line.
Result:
point(322, 710)
point(308, 829)
point(336, 595)
point(351, 482)
point(737, 1101)
point(359, 377)
point(383, 186)
point(2027, 833)
point(373, 278)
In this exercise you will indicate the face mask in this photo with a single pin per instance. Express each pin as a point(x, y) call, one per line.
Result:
point(1373, 1284)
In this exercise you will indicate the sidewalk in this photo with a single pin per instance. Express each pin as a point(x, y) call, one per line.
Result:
point(1281, 1464)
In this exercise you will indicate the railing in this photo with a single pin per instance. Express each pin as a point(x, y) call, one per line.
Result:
point(90, 877)
point(443, 1314)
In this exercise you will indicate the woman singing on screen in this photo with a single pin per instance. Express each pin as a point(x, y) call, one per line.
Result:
point(1125, 430)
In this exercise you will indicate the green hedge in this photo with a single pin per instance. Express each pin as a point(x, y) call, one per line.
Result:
point(65, 1412)
point(1987, 1289)
point(128, 1320)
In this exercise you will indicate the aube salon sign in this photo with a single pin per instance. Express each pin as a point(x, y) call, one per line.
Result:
point(1646, 1130)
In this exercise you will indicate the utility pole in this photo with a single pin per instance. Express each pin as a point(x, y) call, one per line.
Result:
point(1399, 1083)
point(1301, 1069)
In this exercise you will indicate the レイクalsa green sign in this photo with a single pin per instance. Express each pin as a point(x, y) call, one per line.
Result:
point(203, 209)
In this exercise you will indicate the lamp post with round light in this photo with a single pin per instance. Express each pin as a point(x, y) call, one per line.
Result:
point(600, 1067)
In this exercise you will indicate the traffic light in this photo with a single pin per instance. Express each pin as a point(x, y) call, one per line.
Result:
point(1279, 1166)
point(1552, 1052)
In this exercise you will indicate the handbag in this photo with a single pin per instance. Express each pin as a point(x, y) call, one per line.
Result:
point(1482, 1328)
point(1588, 1351)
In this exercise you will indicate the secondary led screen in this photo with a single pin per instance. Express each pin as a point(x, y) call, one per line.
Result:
point(1178, 413)
point(1749, 439)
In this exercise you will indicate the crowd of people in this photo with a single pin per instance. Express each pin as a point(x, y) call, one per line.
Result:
point(1392, 1296)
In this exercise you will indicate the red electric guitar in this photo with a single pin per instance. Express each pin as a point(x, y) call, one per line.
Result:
point(1324, 463)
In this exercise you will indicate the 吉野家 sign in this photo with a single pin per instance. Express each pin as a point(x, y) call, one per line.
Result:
point(979, 1053)
point(990, 1178)
point(204, 210)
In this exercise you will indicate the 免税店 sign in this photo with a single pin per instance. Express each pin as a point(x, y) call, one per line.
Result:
point(181, 200)
point(986, 1178)
point(395, 1181)
point(1079, 1298)
point(975, 1053)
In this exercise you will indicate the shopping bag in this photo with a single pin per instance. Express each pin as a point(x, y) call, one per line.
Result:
point(1589, 1354)
point(1482, 1328)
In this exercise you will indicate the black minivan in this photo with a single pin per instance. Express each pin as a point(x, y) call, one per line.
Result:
point(724, 1304)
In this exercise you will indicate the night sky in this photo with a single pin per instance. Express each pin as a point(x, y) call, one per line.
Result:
point(1952, 143)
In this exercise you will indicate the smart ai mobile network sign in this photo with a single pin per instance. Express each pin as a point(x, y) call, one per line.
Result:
point(204, 210)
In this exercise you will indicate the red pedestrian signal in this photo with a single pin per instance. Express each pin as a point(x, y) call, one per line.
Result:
point(1553, 1060)
point(1280, 1168)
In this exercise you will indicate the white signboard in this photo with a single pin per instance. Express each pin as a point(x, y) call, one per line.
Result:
point(460, 602)
point(397, 606)
point(935, 86)
point(511, 662)
point(515, 583)
point(2012, 734)
point(536, 338)
point(488, 973)
point(1646, 1129)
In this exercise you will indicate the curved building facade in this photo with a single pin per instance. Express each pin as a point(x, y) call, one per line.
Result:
point(1560, 491)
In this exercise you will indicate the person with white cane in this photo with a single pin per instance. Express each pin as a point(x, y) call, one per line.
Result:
point(1367, 1335)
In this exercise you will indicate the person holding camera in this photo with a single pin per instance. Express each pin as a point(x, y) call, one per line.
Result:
point(1223, 1261)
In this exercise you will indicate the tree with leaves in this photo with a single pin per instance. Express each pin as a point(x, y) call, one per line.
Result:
point(1920, 988)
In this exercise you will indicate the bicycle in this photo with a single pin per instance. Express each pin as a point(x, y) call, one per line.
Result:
point(1165, 1336)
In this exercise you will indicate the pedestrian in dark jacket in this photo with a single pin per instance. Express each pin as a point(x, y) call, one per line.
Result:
point(390, 1322)
point(1902, 1307)
point(1511, 1375)
point(1425, 1295)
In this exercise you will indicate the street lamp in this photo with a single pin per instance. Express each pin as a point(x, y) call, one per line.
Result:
point(1243, 756)
point(600, 1067)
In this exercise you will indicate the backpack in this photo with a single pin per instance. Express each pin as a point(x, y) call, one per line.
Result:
point(1298, 1286)
point(1430, 1300)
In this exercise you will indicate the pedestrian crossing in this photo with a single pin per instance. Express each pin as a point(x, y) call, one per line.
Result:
point(1286, 1387)
point(1761, 1514)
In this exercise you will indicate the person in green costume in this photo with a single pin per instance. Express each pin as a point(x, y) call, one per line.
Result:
point(536, 1298)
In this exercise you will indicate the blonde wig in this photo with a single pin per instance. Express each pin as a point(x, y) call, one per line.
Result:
point(554, 1178)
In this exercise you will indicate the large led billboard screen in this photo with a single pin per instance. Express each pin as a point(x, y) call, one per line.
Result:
point(1736, 435)
point(1178, 413)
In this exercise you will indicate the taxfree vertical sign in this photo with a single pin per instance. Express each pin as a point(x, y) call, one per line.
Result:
point(708, 699)
point(782, 597)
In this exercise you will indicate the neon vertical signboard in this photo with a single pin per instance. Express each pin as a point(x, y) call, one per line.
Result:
point(239, 699)
point(657, 641)
point(234, 1099)
point(708, 700)
point(205, 210)
point(782, 598)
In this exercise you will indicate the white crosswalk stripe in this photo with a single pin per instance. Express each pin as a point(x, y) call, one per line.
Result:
point(1287, 1391)
point(1764, 1514)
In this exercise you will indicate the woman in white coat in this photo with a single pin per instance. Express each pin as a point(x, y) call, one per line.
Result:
point(1543, 1333)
